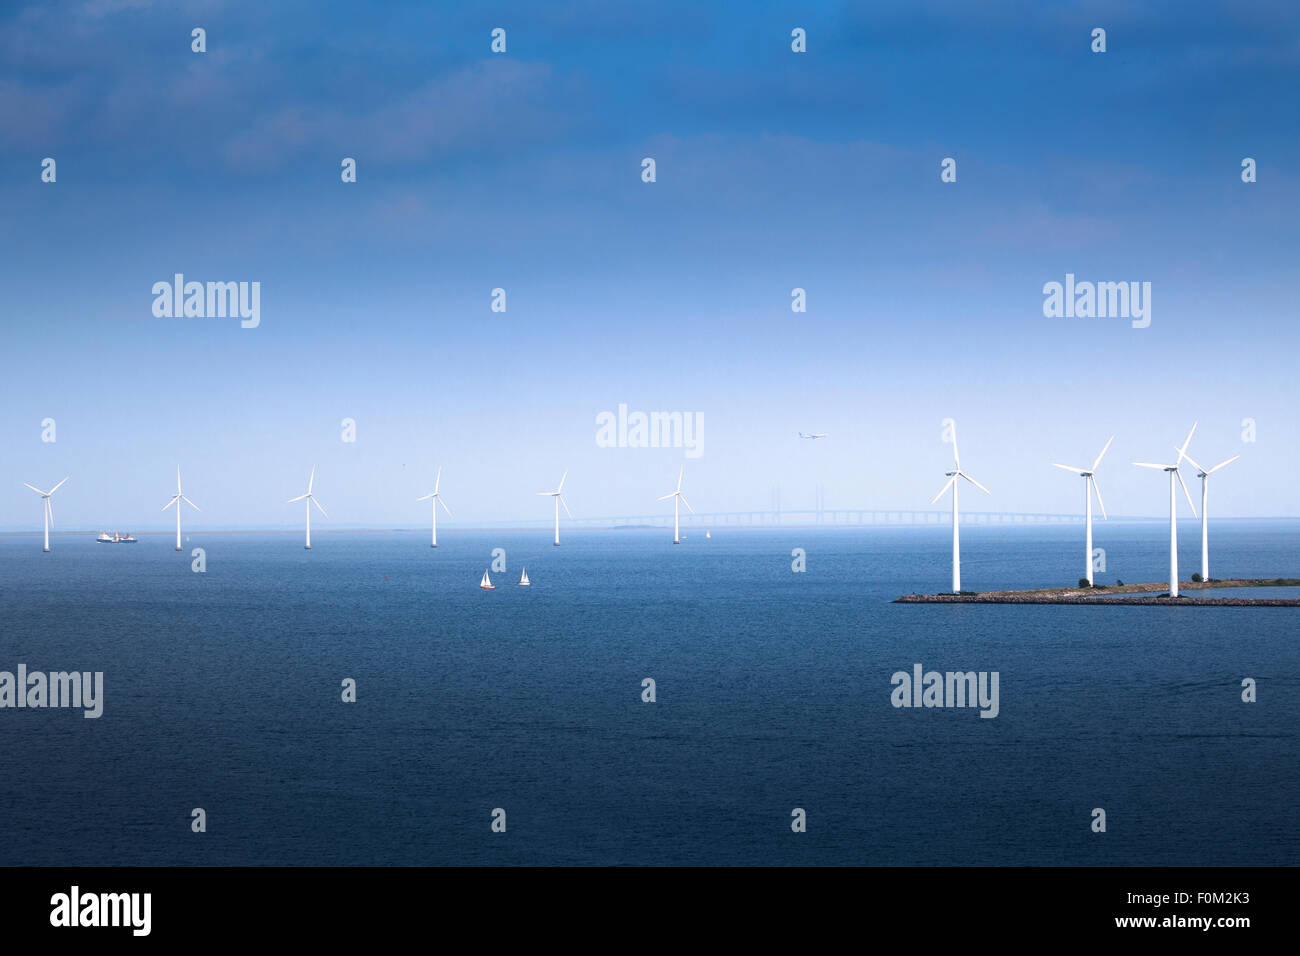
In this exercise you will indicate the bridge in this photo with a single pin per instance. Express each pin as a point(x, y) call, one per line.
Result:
point(818, 517)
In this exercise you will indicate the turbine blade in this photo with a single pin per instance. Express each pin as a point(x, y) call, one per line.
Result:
point(566, 505)
point(190, 503)
point(1077, 471)
point(35, 489)
point(1102, 454)
point(427, 497)
point(178, 479)
point(680, 472)
point(437, 481)
point(1221, 464)
point(974, 482)
point(1188, 440)
point(311, 479)
point(943, 489)
point(318, 507)
point(687, 504)
point(552, 493)
point(49, 510)
point(174, 499)
point(444, 506)
point(58, 486)
point(955, 457)
point(1147, 464)
point(1186, 492)
point(292, 500)
point(1195, 465)
point(562, 477)
point(1099, 501)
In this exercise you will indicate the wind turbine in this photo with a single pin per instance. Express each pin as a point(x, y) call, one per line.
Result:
point(1173, 511)
point(311, 500)
point(49, 512)
point(559, 500)
point(952, 483)
point(176, 500)
point(437, 500)
point(677, 496)
point(1089, 486)
point(1204, 474)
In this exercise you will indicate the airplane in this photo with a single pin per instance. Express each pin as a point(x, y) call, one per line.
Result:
point(822, 435)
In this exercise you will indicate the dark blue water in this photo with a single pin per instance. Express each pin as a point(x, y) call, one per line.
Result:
point(223, 692)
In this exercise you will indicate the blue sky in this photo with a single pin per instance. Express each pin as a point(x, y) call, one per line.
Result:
point(522, 171)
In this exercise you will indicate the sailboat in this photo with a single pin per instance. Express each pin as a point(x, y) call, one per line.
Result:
point(523, 580)
point(707, 535)
point(486, 584)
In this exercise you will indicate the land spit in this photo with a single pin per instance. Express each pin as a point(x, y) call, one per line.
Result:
point(1155, 593)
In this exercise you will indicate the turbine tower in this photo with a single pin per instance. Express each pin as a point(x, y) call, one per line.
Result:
point(952, 483)
point(1173, 508)
point(677, 496)
point(311, 500)
point(176, 500)
point(559, 500)
point(49, 511)
point(1204, 474)
point(1089, 486)
point(437, 500)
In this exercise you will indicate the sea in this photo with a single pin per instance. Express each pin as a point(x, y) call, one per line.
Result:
point(524, 707)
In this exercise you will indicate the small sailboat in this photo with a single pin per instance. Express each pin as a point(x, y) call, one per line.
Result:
point(523, 579)
point(486, 584)
point(707, 535)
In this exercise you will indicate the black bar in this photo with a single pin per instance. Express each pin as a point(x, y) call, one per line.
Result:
point(976, 905)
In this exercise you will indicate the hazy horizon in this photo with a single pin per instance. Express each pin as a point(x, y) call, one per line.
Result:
point(1187, 526)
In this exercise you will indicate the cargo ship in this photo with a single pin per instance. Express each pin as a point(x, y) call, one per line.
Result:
point(115, 538)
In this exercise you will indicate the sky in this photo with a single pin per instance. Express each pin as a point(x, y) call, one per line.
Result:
point(522, 170)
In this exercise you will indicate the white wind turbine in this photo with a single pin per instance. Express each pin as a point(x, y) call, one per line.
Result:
point(311, 500)
point(437, 500)
point(1089, 486)
point(952, 483)
point(1173, 510)
point(176, 500)
point(49, 511)
point(677, 496)
point(559, 500)
point(1204, 474)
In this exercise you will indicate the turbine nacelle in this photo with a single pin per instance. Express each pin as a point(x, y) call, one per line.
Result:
point(952, 480)
point(437, 498)
point(177, 498)
point(1202, 471)
point(559, 493)
point(1174, 468)
point(677, 492)
point(310, 498)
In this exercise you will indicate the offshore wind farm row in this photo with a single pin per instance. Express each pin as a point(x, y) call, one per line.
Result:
point(1087, 473)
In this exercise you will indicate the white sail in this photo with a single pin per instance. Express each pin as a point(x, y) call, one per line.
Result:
point(486, 582)
point(523, 580)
